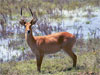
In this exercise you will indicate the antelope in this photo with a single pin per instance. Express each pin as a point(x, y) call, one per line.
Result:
point(48, 44)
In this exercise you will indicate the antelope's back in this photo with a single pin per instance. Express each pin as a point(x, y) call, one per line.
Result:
point(67, 39)
point(56, 38)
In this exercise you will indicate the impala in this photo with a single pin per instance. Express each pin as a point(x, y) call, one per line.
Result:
point(41, 45)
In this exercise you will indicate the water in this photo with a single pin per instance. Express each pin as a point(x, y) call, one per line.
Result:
point(79, 21)
point(92, 22)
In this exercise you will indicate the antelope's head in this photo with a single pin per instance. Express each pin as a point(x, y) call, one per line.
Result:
point(28, 25)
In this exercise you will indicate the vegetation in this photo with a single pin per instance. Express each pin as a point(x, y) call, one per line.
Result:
point(87, 50)
point(58, 64)
point(41, 6)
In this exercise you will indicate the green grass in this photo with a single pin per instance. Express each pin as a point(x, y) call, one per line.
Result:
point(13, 6)
point(87, 22)
point(88, 63)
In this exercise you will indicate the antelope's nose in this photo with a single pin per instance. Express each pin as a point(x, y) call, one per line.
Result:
point(28, 31)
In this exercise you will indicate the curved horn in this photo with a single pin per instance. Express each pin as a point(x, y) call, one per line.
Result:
point(33, 15)
point(34, 20)
point(31, 12)
point(21, 11)
point(22, 21)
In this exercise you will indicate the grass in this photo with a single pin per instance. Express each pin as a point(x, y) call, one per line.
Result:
point(58, 17)
point(88, 63)
point(14, 7)
point(89, 16)
point(87, 22)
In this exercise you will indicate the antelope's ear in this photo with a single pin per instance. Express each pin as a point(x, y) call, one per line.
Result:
point(33, 21)
point(22, 22)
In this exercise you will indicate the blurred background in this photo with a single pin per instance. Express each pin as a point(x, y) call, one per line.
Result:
point(79, 17)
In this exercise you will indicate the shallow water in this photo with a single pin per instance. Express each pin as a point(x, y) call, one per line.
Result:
point(84, 26)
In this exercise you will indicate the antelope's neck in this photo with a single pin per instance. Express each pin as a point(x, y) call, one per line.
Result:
point(30, 38)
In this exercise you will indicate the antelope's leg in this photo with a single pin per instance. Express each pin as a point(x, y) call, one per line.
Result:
point(72, 55)
point(39, 59)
